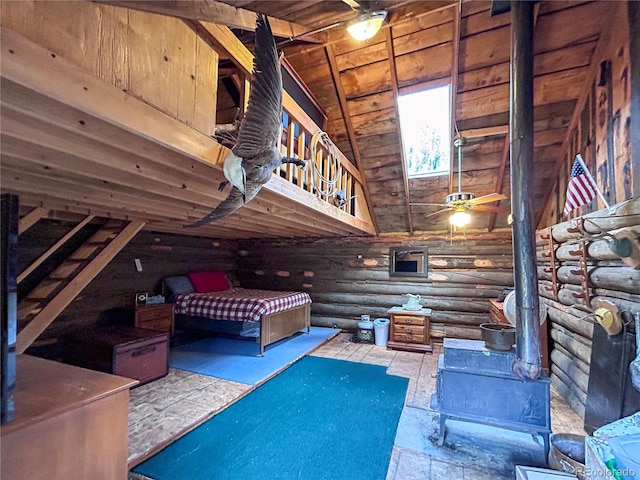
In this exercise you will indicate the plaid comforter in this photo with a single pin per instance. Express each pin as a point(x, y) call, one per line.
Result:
point(239, 304)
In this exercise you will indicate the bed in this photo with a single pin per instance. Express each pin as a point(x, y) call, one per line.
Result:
point(207, 301)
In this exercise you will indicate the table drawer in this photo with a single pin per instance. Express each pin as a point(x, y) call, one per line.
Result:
point(408, 320)
point(159, 324)
point(408, 338)
point(408, 329)
point(147, 314)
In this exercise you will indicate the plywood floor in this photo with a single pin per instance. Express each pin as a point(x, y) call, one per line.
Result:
point(167, 408)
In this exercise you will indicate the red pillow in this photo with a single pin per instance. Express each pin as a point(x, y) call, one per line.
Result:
point(212, 281)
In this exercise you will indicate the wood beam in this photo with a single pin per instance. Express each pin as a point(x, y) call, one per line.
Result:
point(24, 274)
point(31, 218)
point(485, 132)
point(503, 167)
point(594, 67)
point(344, 108)
point(634, 54)
point(49, 313)
point(216, 12)
point(394, 87)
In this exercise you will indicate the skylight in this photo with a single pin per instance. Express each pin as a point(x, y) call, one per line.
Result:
point(425, 120)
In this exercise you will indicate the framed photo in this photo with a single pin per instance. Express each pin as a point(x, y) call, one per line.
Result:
point(141, 299)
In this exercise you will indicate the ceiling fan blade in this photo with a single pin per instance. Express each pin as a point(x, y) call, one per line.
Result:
point(418, 204)
point(489, 208)
point(492, 197)
point(438, 212)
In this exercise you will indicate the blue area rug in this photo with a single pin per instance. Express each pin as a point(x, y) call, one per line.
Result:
point(239, 360)
point(320, 419)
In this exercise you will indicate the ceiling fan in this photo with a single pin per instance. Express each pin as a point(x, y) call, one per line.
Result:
point(461, 201)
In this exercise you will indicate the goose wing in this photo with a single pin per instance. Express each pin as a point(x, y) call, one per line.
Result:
point(229, 205)
point(262, 122)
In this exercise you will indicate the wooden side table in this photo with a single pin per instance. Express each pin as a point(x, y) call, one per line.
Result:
point(409, 330)
point(158, 317)
point(496, 312)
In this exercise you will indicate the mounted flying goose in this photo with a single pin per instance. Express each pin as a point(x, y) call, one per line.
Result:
point(255, 156)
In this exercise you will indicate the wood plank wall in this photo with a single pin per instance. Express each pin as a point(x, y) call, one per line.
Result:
point(571, 330)
point(602, 133)
point(350, 277)
point(155, 58)
point(162, 255)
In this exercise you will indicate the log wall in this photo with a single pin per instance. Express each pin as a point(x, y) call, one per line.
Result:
point(155, 58)
point(602, 131)
point(349, 277)
point(161, 255)
point(609, 278)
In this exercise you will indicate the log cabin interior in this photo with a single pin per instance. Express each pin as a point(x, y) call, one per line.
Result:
point(112, 123)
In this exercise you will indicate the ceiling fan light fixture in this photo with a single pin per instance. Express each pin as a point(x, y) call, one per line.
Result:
point(460, 218)
point(366, 25)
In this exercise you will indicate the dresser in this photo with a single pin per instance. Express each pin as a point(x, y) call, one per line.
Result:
point(70, 423)
point(409, 330)
point(158, 317)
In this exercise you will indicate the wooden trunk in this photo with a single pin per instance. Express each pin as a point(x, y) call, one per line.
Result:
point(125, 351)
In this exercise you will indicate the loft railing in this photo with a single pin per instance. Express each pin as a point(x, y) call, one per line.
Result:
point(329, 174)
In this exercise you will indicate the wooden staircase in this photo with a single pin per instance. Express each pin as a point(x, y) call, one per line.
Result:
point(45, 302)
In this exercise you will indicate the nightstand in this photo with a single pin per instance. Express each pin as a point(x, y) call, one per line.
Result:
point(409, 330)
point(157, 317)
point(496, 312)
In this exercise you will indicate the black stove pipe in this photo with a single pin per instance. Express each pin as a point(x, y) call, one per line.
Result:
point(527, 365)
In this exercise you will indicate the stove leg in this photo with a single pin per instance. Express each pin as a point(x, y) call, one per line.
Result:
point(442, 431)
point(545, 438)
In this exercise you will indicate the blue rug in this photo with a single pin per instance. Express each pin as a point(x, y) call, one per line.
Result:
point(239, 360)
point(320, 419)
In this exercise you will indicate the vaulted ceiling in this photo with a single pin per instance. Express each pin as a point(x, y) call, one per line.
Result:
point(426, 44)
point(107, 153)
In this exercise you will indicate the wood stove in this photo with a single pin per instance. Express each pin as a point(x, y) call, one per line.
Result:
point(478, 385)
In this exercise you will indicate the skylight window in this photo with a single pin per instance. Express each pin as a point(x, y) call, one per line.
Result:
point(425, 120)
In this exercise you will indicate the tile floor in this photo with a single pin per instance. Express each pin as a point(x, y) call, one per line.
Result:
point(169, 407)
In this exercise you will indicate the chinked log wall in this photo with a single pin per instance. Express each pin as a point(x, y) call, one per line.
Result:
point(609, 278)
point(350, 277)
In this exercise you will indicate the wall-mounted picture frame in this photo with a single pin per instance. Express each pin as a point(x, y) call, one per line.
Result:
point(141, 299)
point(408, 261)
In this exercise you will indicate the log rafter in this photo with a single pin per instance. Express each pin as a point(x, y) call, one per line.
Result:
point(394, 87)
point(217, 12)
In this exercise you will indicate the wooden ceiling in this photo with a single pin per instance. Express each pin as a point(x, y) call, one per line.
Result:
point(427, 44)
point(47, 160)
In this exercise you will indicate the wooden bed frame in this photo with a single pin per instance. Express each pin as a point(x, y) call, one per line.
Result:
point(276, 326)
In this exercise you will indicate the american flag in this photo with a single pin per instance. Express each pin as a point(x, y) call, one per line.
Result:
point(581, 189)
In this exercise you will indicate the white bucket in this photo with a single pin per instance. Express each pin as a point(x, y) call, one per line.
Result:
point(381, 330)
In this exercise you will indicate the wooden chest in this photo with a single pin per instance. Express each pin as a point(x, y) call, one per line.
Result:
point(125, 351)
